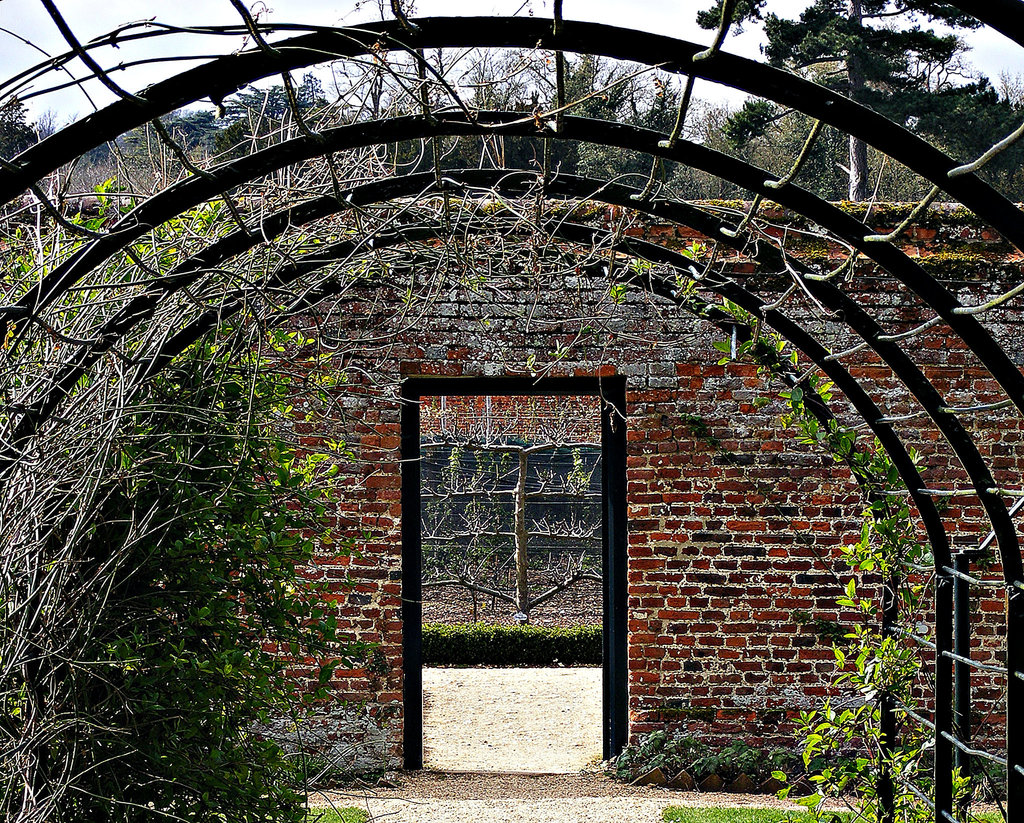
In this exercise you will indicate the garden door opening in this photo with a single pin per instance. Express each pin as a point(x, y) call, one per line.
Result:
point(514, 572)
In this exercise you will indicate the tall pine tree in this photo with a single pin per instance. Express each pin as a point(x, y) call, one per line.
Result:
point(16, 134)
point(883, 53)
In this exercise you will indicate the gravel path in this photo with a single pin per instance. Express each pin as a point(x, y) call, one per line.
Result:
point(436, 797)
point(485, 730)
point(511, 720)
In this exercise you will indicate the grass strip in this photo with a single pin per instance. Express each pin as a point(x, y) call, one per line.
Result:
point(348, 814)
point(682, 814)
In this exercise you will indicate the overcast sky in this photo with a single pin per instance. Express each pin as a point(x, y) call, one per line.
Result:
point(26, 20)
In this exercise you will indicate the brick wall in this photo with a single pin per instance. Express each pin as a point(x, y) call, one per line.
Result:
point(528, 419)
point(734, 527)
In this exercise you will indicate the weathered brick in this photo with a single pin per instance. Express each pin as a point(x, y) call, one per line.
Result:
point(735, 529)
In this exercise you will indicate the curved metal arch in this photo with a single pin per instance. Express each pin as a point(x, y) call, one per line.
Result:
point(1006, 220)
point(820, 356)
point(575, 233)
point(943, 756)
point(1005, 16)
point(190, 192)
point(194, 190)
point(854, 116)
point(238, 242)
point(223, 76)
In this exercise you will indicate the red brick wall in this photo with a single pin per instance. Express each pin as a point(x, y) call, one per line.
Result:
point(734, 527)
point(525, 417)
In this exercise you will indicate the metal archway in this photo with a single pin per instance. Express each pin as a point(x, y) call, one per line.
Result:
point(165, 205)
point(220, 77)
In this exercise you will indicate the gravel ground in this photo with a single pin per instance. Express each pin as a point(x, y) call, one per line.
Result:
point(511, 720)
point(488, 733)
point(485, 729)
point(436, 797)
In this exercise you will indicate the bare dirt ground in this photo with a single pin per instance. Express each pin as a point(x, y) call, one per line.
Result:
point(511, 720)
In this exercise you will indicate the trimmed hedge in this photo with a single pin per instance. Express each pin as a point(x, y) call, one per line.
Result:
point(480, 644)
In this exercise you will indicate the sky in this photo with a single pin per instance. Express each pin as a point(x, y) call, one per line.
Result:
point(26, 31)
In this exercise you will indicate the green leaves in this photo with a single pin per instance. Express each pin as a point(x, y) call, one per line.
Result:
point(184, 645)
point(869, 664)
point(485, 644)
point(675, 752)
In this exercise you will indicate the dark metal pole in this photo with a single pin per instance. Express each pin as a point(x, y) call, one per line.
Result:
point(887, 714)
point(412, 594)
point(943, 695)
point(1014, 704)
point(613, 478)
point(961, 670)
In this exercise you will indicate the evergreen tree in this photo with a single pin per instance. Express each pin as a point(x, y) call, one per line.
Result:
point(193, 129)
point(271, 105)
point(879, 52)
point(256, 117)
point(16, 134)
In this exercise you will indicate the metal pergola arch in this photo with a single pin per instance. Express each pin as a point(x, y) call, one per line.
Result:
point(218, 79)
point(587, 235)
point(565, 186)
point(223, 76)
point(198, 189)
point(578, 234)
point(966, 326)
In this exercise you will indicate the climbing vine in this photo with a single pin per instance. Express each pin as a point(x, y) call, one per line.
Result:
point(870, 746)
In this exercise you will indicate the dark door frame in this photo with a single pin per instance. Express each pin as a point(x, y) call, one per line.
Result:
point(612, 391)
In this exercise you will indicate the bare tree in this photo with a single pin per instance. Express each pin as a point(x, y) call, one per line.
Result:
point(512, 517)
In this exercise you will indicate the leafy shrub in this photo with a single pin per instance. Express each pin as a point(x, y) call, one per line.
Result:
point(177, 592)
point(673, 753)
point(479, 644)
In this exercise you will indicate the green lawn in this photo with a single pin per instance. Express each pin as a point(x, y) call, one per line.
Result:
point(680, 814)
point(349, 814)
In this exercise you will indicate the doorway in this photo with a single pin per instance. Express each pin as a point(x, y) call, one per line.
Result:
point(610, 396)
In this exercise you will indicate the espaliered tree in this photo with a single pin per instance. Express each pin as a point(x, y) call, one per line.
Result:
point(490, 505)
point(888, 55)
